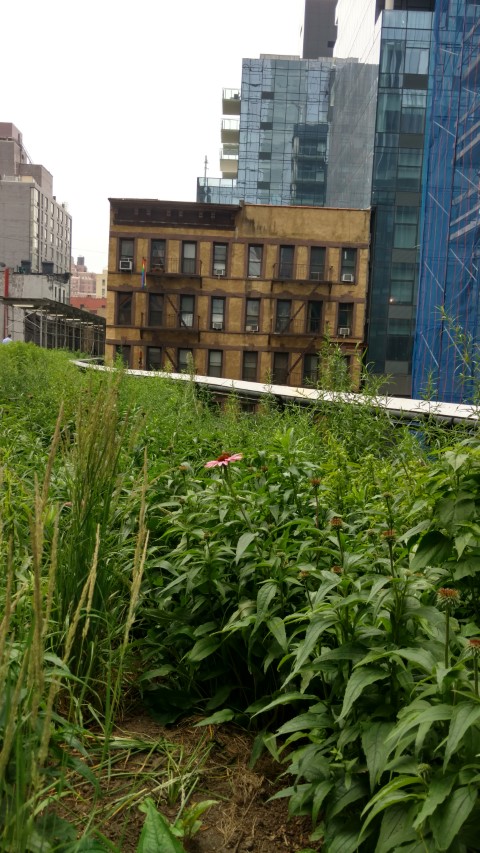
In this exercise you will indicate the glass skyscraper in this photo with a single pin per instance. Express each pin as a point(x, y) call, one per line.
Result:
point(282, 135)
point(391, 122)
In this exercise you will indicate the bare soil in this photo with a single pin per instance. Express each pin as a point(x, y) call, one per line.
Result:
point(189, 764)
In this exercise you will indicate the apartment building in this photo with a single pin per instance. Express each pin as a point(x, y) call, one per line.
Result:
point(239, 291)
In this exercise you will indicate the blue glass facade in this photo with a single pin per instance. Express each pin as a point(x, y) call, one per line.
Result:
point(447, 341)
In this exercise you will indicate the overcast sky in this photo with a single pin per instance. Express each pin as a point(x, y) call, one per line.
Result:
point(121, 99)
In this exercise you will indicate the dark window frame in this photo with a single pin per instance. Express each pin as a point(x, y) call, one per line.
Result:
point(209, 365)
point(158, 261)
point(119, 308)
point(219, 264)
point(185, 313)
point(214, 314)
point(254, 263)
point(250, 372)
point(252, 319)
point(148, 350)
point(316, 269)
point(189, 264)
point(159, 312)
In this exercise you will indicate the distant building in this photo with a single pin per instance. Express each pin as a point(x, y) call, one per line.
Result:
point(93, 304)
point(82, 282)
point(240, 291)
point(35, 230)
point(101, 284)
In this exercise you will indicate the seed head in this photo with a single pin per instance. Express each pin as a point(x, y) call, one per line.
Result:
point(336, 521)
point(389, 535)
point(448, 597)
point(337, 569)
point(315, 482)
point(473, 646)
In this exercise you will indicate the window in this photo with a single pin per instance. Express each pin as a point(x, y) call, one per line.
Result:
point(285, 267)
point(249, 373)
point(255, 254)
point(311, 366)
point(157, 255)
point(154, 358)
point(409, 168)
point(189, 258)
point(280, 368)
point(348, 264)
point(314, 317)
point(155, 309)
point(185, 361)
point(124, 309)
point(215, 357)
point(220, 259)
point(317, 263)
point(282, 319)
point(187, 305)
point(217, 318)
point(126, 249)
point(123, 351)
point(413, 111)
point(402, 283)
point(252, 315)
point(345, 318)
point(406, 224)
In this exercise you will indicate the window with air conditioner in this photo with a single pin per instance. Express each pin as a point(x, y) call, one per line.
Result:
point(219, 267)
point(126, 249)
point(217, 313)
point(252, 315)
point(317, 263)
point(348, 265)
point(345, 319)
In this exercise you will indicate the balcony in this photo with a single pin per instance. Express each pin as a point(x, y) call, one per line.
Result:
point(231, 102)
point(229, 161)
point(285, 326)
point(190, 267)
point(230, 131)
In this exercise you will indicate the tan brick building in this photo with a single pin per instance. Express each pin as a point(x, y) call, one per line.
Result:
point(246, 292)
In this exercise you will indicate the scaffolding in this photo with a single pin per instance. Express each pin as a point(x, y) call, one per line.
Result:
point(54, 325)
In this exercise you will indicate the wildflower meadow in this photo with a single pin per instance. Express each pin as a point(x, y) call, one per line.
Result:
point(306, 578)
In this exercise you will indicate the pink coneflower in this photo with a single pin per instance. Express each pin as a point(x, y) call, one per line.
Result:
point(473, 645)
point(448, 595)
point(223, 460)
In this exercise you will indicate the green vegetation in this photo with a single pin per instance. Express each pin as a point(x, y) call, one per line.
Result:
point(321, 591)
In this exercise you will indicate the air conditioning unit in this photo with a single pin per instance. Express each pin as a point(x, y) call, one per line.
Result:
point(254, 276)
point(316, 276)
point(220, 272)
point(126, 265)
point(251, 328)
point(347, 276)
point(344, 331)
point(217, 326)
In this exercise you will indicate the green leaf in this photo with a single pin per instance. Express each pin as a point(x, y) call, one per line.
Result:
point(464, 716)
point(284, 699)
point(345, 840)
point(447, 822)
point(438, 790)
point(277, 628)
point(423, 658)
point(396, 828)
point(358, 681)
point(265, 594)
point(156, 834)
point(223, 716)
point(243, 543)
point(455, 509)
point(376, 749)
point(321, 791)
point(433, 550)
point(202, 649)
point(455, 459)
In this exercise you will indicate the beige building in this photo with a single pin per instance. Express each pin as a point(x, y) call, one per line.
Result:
point(242, 291)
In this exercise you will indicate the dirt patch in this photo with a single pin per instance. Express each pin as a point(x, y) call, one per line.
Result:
point(178, 767)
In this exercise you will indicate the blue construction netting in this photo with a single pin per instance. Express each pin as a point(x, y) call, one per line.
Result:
point(446, 356)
